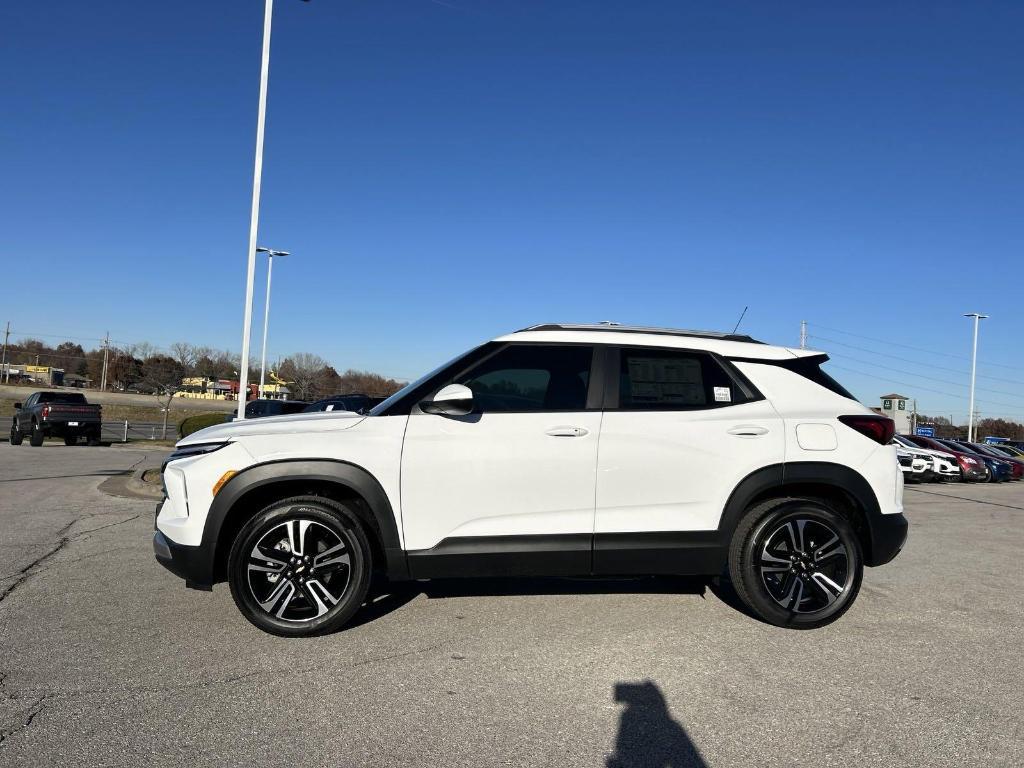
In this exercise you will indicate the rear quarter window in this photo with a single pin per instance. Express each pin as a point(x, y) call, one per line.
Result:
point(808, 368)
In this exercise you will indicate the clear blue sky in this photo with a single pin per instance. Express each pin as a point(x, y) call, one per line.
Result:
point(447, 170)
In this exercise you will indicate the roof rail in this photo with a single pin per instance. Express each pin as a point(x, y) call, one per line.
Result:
point(607, 325)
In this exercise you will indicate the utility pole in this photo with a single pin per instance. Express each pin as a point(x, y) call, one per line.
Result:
point(803, 334)
point(913, 418)
point(3, 362)
point(106, 355)
point(974, 365)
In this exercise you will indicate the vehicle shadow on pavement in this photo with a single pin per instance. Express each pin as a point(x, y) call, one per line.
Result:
point(497, 587)
point(649, 737)
point(385, 598)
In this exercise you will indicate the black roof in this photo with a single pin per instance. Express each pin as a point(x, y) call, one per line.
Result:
point(640, 329)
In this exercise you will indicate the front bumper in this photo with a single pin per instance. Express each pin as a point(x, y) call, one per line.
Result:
point(888, 535)
point(193, 564)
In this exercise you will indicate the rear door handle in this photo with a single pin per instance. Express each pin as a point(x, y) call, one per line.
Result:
point(748, 430)
point(565, 431)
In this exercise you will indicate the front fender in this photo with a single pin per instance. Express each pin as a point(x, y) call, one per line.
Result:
point(226, 505)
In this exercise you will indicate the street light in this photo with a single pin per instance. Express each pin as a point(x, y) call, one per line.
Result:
point(974, 364)
point(257, 175)
point(266, 309)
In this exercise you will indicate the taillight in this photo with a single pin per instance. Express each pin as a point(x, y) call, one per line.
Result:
point(878, 428)
point(46, 411)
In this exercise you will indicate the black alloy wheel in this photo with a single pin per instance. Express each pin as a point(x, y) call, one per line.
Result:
point(796, 563)
point(301, 567)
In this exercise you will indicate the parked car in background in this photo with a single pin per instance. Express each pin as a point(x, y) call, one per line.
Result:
point(1009, 450)
point(717, 454)
point(998, 471)
point(972, 467)
point(942, 464)
point(256, 409)
point(56, 414)
point(1016, 465)
point(914, 468)
point(356, 403)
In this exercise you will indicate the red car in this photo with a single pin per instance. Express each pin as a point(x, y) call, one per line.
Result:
point(1016, 465)
point(971, 467)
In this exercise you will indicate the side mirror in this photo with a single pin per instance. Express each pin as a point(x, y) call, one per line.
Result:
point(453, 400)
point(17, 406)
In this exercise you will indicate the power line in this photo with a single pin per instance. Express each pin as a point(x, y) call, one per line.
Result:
point(918, 386)
point(932, 378)
point(917, 349)
point(904, 359)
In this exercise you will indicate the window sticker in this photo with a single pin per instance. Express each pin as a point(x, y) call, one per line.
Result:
point(666, 380)
point(723, 395)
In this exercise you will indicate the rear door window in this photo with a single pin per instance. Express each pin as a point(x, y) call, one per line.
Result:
point(663, 379)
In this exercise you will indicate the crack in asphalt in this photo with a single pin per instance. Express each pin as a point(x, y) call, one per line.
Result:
point(27, 718)
point(23, 574)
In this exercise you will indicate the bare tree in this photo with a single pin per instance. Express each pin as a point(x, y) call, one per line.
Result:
point(302, 370)
point(162, 375)
point(185, 354)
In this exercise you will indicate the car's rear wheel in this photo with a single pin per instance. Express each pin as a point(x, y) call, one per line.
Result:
point(300, 567)
point(36, 436)
point(16, 436)
point(796, 563)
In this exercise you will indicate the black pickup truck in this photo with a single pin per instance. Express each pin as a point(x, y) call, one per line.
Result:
point(56, 414)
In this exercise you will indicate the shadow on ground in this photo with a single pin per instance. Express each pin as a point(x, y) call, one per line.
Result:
point(649, 737)
point(385, 598)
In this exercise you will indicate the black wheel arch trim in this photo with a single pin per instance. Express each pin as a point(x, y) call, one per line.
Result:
point(346, 474)
point(886, 534)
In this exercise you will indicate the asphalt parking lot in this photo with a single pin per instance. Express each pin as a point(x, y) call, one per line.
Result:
point(108, 660)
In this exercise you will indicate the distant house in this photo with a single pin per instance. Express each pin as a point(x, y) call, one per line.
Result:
point(74, 380)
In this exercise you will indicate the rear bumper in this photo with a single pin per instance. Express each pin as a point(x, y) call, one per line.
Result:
point(193, 564)
point(888, 535)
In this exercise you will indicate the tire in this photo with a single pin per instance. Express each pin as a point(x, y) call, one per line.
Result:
point(783, 576)
point(273, 591)
point(93, 438)
point(35, 438)
point(70, 439)
point(16, 436)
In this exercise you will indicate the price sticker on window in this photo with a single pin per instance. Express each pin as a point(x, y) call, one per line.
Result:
point(723, 395)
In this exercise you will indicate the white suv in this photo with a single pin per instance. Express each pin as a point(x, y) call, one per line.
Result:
point(558, 450)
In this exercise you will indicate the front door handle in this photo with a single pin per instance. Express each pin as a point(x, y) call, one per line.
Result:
point(748, 430)
point(564, 431)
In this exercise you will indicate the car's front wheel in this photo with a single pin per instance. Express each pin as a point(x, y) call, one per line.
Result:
point(300, 567)
point(796, 563)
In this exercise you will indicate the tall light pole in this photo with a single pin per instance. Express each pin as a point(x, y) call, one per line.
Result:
point(257, 175)
point(266, 309)
point(974, 365)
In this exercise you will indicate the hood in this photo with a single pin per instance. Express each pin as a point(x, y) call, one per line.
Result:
point(290, 424)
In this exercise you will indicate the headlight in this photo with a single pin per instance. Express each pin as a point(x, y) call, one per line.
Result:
point(188, 451)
